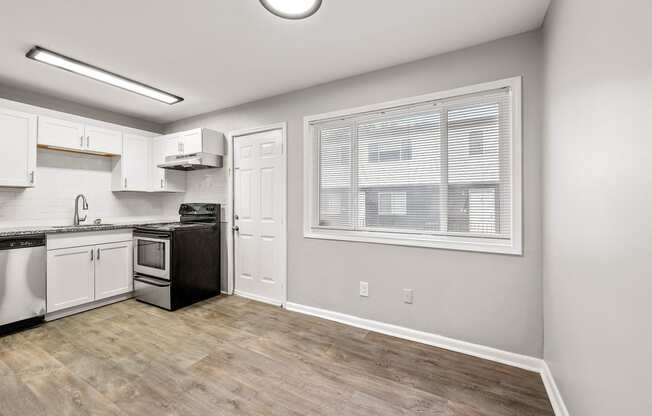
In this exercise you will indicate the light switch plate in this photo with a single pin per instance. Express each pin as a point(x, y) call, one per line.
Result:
point(364, 289)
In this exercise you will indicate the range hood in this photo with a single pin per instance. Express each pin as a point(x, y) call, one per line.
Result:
point(194, 161)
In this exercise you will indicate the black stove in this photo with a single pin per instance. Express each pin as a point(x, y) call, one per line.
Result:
point(178, 264)
point(192, 216)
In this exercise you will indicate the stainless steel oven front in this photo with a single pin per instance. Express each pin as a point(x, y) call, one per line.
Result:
point(152, 254)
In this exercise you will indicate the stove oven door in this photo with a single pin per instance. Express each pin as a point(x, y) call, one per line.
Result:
point(152, 254)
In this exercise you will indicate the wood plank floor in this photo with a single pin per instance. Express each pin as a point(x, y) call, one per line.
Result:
point(233, 356)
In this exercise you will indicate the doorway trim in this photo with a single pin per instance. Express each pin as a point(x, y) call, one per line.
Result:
point(230, 242)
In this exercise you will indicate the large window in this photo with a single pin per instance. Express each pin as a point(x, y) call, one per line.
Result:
point(441, 170)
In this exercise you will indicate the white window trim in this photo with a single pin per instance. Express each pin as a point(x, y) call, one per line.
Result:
point(513, 245)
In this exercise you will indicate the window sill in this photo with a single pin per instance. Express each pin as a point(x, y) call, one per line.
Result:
point(480, 245)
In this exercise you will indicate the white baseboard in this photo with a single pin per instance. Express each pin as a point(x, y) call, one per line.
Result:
point(258, 298)
point(525, 362)
point(476, 350)
point(553, 391)
point(87, 307)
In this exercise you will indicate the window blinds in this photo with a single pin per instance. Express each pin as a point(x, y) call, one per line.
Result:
point(440, 168)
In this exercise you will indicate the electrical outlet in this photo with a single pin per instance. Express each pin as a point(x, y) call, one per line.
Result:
point(408, 295)
point(364, 289)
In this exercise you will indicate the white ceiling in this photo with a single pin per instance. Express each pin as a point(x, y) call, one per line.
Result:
point(220, 53)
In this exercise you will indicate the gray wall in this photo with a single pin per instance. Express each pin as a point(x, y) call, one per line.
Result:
point(488, 299)
point(597, 205)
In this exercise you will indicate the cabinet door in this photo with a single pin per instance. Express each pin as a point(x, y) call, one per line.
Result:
point(61, 133)
point(18, 157)
point(158, 156)
point(135, 163)
point(165, 180)
point(191, 141)
point(70, 277)
point(113, 269)
point(103, 140)
point(172, 145)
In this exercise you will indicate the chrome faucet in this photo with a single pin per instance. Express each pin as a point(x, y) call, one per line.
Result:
point(76, 219)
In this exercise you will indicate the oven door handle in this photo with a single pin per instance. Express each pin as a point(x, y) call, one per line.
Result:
point(157, 236)
point(150, 281)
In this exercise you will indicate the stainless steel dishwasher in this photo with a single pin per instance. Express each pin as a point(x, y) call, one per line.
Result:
point(22, 281)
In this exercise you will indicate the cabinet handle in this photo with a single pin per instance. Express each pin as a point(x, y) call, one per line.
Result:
point(31, 177)
point(88, 141)
point(183, 147)
point(98, 253)
point(81, 142)
point(162, 184)
point(125, 183)
point(92, 254)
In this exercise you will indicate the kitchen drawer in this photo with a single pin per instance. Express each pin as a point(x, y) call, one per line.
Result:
point(80, 239)
point(153, 291)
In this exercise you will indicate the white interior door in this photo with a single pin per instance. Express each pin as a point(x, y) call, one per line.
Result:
point(259, 216)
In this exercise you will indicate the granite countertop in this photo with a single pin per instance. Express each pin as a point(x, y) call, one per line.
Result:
point(57, 229)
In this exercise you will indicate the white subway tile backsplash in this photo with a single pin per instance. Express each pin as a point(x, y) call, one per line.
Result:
point(208, 185)
point(60, 176)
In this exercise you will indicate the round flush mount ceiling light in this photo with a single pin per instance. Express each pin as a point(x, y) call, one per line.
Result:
point(292, 9)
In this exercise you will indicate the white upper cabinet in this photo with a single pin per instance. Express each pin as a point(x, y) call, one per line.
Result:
point(60, 134)
point(103, 140)
point(191, 142)
point(131, 171)
point(68, 135)
point(164, 180)
point(18, 156)
point(200, 141)
point(173, 144)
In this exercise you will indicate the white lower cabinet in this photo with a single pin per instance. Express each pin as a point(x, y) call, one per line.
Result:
point(113, 269)
point(70, 278)
point(87, 267)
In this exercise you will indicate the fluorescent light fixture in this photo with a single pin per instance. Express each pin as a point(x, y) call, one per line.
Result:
point(69, 64)
point(292, 9)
